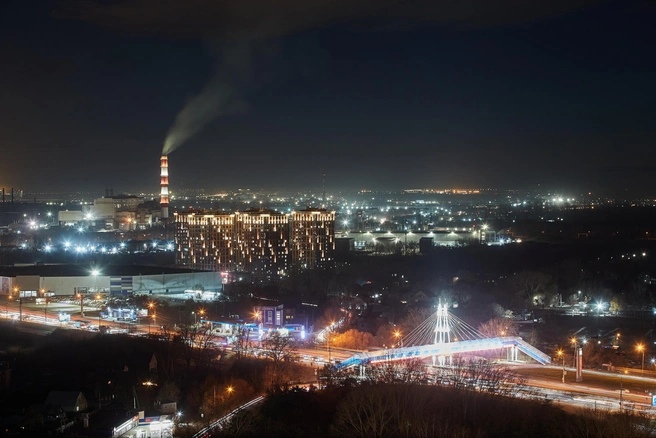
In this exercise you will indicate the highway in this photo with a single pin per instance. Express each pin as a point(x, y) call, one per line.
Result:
point(40, 314)
point(611, 394)
point(578, 395)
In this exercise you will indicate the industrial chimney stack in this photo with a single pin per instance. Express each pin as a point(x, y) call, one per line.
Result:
point(164, 186)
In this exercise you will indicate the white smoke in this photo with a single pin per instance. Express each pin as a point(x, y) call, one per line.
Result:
point(219, 97)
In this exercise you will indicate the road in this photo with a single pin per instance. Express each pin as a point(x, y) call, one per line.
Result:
point(206, 431)
point(599, 389)
point(39, 313)
point(38, 321)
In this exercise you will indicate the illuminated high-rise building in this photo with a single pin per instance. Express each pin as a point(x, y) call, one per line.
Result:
point(259, 242)
point(312, 238)
point(205, 241)
point(262, 241)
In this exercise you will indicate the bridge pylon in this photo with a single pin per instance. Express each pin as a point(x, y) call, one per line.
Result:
point(442, 333)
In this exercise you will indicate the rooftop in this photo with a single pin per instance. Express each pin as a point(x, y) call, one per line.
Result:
point(84, 270)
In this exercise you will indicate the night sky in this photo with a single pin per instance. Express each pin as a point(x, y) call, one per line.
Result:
point(378, 94)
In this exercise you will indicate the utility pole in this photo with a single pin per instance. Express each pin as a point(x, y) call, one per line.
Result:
point(81, 297)
point(98, 297)
point(621, 389)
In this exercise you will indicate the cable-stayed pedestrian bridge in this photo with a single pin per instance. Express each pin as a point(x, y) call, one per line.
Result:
point(443, 336)
point(512, 343)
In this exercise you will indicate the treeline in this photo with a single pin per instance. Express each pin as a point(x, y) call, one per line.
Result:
point(408, 410)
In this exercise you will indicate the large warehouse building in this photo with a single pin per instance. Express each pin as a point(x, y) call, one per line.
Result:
point(61, 280)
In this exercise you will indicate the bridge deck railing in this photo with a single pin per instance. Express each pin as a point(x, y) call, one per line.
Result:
point(447, 349)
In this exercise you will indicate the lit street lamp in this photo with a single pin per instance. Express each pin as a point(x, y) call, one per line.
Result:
point(151, 306)
point(560, 353)
point(328, 332)
point(98, 297)
point(641, 349)
point(397, 335)
point(200, 312)
point(95, 273)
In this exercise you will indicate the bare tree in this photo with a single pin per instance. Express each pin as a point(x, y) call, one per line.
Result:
point(332, 376)
point(414, 318)
point(365, 414)
point(195, 341)
point(478, 375)
point(281, 351)
point(243, 423)
point(279, 348)
point(331, 315)
point(498, 327)
point(397, 371)
point(535, 288)
point(240, 342)
point(167, 360)
point(393, 410)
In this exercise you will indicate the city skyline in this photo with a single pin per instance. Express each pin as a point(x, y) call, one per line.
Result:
point(375, 95)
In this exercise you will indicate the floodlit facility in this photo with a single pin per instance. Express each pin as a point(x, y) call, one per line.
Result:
point(62, 280)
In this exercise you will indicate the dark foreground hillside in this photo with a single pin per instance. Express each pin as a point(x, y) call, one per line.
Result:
point(384, 410)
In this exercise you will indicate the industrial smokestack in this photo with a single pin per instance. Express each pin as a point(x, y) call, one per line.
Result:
point(164, 186)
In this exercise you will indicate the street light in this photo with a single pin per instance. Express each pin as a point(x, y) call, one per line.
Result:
point(621, 388)
point(328, 332)
point(560, 353)
point(45, 309)
point(98, 297)
point(151, 305)
point(397, 335)
point(641, 349)
point(20, 303)
point(79, 295)
point(95, 273)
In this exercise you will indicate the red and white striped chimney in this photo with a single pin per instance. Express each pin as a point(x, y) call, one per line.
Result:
point(164, 186)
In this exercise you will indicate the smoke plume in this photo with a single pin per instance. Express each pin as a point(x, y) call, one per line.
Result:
point(219, 97)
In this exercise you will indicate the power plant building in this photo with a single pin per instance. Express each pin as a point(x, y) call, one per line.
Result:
point(113, 212)
point(260, 242)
